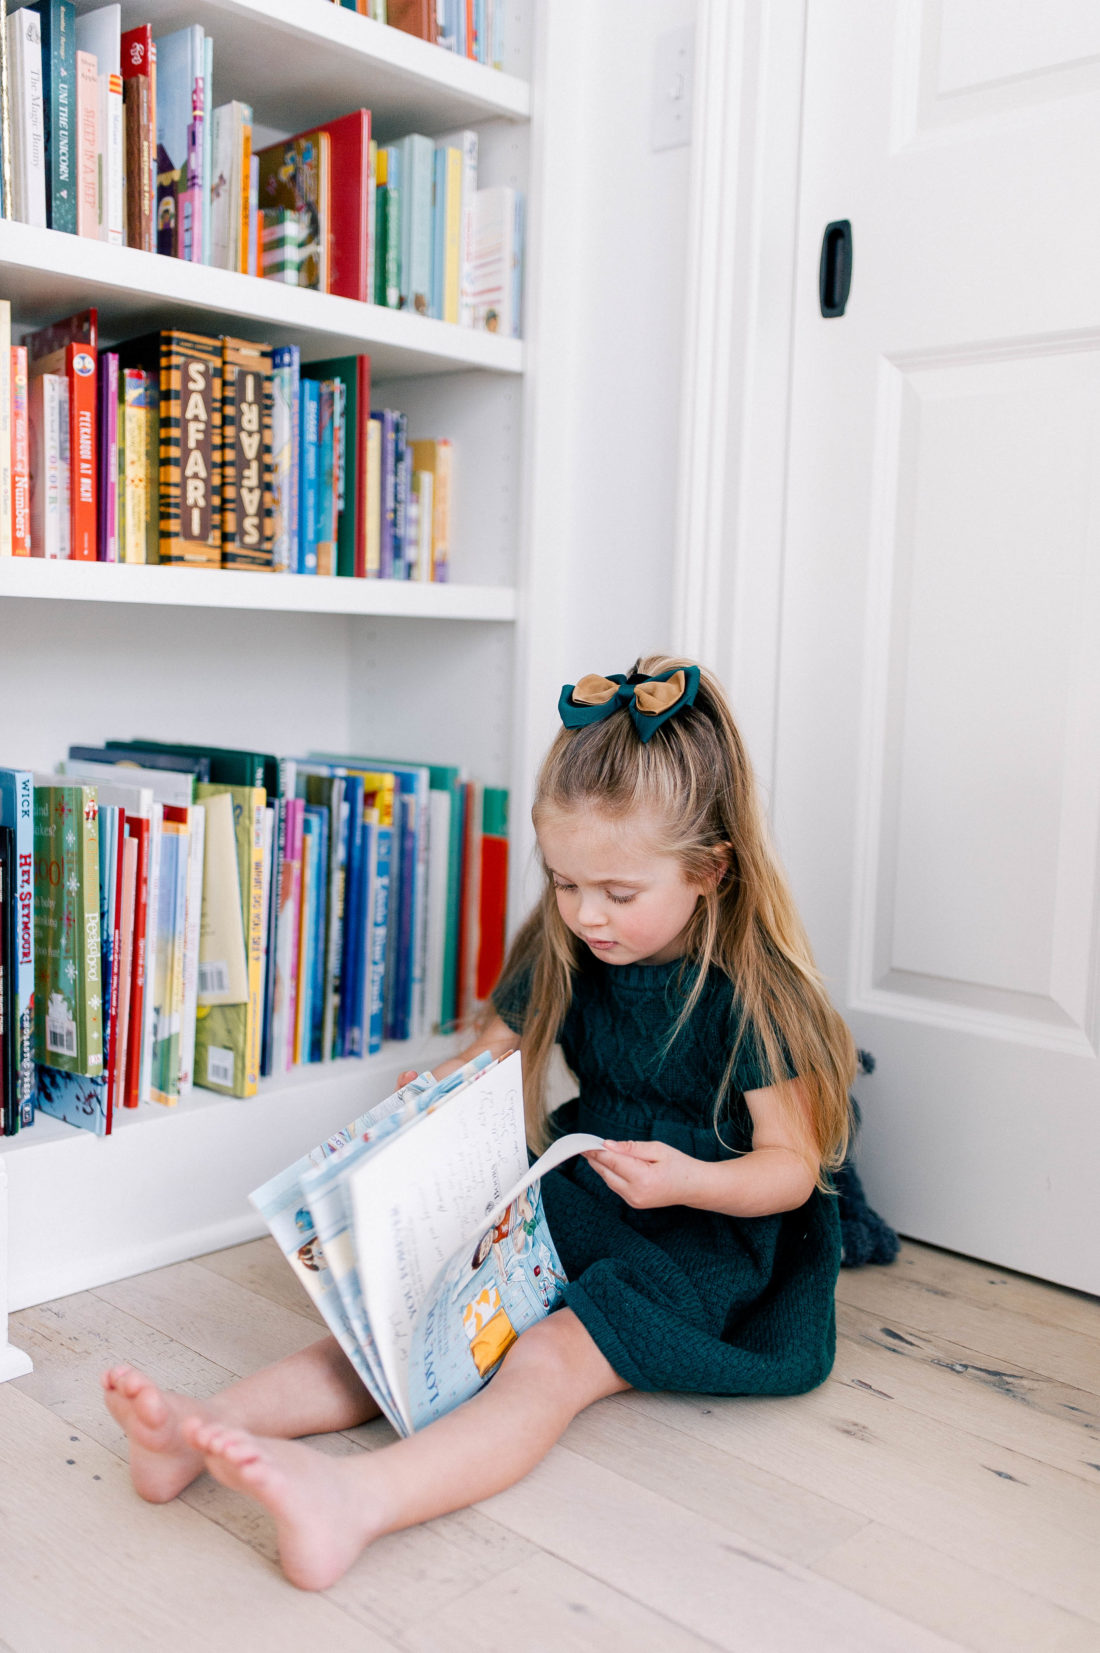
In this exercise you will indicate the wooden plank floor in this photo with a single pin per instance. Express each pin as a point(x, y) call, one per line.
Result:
point(942, 1490)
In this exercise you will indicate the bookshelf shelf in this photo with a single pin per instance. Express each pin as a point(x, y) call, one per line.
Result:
point(46, 273)
point(236, 658)
point(232, 589)
point(302, 61)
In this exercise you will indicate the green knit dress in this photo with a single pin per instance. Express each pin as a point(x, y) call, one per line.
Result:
point(677, 1298)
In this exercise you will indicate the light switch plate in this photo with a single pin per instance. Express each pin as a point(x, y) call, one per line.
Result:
point(673, 85)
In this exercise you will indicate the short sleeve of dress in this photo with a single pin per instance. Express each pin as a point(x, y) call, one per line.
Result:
point(510, 999)
point(751, 1071)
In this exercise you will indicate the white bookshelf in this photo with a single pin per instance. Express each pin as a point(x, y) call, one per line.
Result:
point(273, 662)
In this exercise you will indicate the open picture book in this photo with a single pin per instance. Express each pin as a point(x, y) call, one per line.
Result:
point(418, 1231)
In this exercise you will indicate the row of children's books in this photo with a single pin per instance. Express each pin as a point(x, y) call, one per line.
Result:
point(469, 28)
point(114, 135)
point(212, 452)
point(175, 915)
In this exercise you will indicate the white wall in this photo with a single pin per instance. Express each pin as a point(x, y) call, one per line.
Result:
point(606, 330)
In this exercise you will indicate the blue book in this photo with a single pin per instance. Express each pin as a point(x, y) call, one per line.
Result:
point(58, 26)
point(285, 445)
point(417, 171)
point(376, 862)
point(439, 230)
point(304, 1007)
point(389, 485)
point(315, 957)
point(401, 493)
point(517, 268)
point(17, 812)
point(325, 521)
point(308, 475)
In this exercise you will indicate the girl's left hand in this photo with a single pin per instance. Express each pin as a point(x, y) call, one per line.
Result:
point(645, 1174)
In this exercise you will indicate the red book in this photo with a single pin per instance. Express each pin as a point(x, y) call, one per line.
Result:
point(80, 370)
point(139, 104)
point(138, 828)
point(348, 217)
point(494, 902)
point(70, 347)
point(20, 455)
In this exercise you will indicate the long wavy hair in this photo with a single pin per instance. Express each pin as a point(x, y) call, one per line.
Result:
point(695, 785)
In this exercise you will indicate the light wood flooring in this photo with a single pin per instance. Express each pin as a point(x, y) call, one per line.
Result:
point(942, 1490)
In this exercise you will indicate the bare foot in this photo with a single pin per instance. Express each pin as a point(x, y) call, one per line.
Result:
point(323, 1518)
point(162, 1462)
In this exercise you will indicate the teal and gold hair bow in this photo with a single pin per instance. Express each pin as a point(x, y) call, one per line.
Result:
point(650, 701)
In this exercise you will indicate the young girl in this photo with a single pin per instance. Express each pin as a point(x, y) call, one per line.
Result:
point(701, 1242)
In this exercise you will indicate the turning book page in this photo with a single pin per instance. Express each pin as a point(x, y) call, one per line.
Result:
point(427, 1211)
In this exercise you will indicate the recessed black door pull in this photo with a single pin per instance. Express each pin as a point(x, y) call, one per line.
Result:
point(835, 277)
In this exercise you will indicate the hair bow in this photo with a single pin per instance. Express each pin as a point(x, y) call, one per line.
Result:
point(650, 701)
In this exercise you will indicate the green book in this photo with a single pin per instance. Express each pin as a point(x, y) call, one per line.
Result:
point(444, 778)
point(68, 987)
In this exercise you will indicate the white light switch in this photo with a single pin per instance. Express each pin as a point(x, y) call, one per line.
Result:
point(673, 75)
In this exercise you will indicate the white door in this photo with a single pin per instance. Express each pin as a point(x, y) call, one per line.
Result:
point(937, 778)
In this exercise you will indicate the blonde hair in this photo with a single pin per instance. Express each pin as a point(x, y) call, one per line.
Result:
point(694, 780)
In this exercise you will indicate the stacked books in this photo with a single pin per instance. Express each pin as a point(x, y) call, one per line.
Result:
point(176, 915)
point(112, 134)
point(214, 453)
point(418, 1230)
point(469, 28)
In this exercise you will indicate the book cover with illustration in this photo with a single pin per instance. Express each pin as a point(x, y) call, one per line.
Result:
point(186, 368)
point(17, 813)
point(295, 175)
point(68, 974)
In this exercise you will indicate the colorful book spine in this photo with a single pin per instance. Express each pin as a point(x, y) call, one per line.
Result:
point(285, 420)
point(107, 501)
point(392, 233)
point(58, 23)
point(48, 424)
point(17, 813)
point(6, 432)
point(372, 498)
point(402, 463)
point(139, 136)
point(308, 469)
point(416, 174)
point(247, 537)
point(493, 895)
point(133, 485)
point(87, 146)
point(24, 43)
point(181, 64)
point(139, 829)
point(228, 1036)
point(167, 968)
point(207, 144)
point(21, 541)
point(325, 521)
point(68, 984)
point(190, 450)
point(387, 550)
point(80, 370)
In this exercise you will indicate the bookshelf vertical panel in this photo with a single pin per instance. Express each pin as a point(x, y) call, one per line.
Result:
point(13, 1362)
